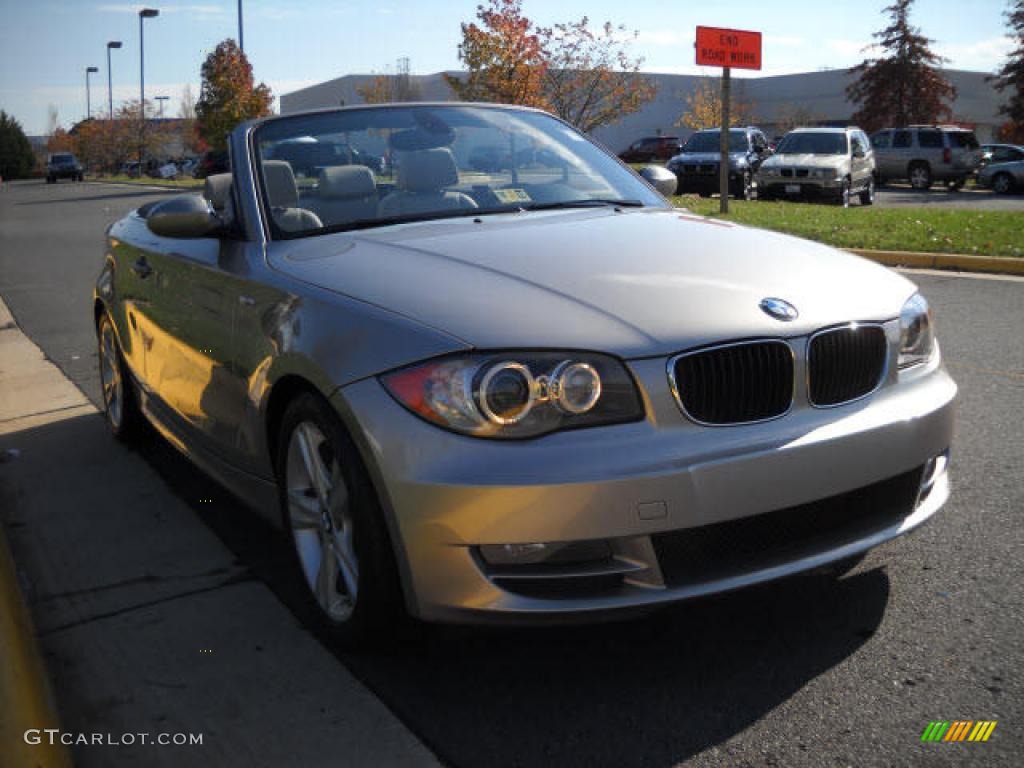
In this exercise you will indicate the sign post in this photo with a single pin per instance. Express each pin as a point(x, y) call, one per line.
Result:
point(728, 49)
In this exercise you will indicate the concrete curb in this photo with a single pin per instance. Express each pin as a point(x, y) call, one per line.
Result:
point(957, 261)
point(26, 699)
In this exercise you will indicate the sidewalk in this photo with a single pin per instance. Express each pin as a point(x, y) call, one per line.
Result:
point(148, 623)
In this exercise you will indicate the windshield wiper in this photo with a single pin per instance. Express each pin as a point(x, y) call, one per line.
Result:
point(590, 202)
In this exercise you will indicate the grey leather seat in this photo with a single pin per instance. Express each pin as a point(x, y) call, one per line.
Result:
point(347, 193)
point(283, 195)
point(421, 185)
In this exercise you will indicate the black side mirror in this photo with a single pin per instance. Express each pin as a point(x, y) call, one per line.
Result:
point(185, 216)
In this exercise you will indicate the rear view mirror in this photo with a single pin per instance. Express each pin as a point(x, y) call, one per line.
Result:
point(184, 216)
point(662, 179)
point(858, 152)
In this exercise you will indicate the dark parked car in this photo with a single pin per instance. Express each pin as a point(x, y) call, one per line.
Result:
point(1001, 153)
point(308, 157)
point(63, 165)
point(696, 167)
point(210, 163)
point(652, 149)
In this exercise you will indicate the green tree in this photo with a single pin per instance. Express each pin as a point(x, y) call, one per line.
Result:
point(228, 95)
point(903, 85)
point(1010, 77)
point(16, 156)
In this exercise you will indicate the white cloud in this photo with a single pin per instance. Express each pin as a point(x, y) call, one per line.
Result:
point(978, 55)
point(783, 40)
point(661, 37)
point(201, 10)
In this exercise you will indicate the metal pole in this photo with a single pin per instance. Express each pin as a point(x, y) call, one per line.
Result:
point(241, 39)
point(142, 92)
point(88, 99)
point(110, 89)
point(723, 164)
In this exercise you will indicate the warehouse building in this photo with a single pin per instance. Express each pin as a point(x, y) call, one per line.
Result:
point(820, 94)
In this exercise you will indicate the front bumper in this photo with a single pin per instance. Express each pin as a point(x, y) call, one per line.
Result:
point(780, 186)
point(705, 182)
point(659, 494)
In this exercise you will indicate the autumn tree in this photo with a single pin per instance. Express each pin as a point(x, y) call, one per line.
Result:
point(1010, 78)
point(16, 156)
point(61, 141)
point(590, 79)
point(903, 85)
point(704, 106)
point(504, 57)
point(792, 115)
point(228, 95)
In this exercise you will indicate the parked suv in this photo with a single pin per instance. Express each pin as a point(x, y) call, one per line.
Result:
point(653, 149)
point(696, 167)
point(63, 165)
point(831, 163)
point(924, 154)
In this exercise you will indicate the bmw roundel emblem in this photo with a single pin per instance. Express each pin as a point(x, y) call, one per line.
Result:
point(780, 309)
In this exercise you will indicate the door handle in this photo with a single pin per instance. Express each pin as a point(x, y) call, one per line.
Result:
point(246, 301)
point(142, 268)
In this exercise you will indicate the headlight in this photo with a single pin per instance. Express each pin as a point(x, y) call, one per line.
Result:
point(507, 395)
point(917, 336)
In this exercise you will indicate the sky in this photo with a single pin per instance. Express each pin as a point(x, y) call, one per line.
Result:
point(46, 45)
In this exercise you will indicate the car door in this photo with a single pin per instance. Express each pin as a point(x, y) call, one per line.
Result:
point(860, 160)
point(189, 354)
point(901, 155)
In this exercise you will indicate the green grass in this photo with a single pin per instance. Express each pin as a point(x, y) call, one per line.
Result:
point(186, 183)
point(983, 233)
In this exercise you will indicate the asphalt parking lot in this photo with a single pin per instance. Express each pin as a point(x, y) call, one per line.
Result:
point(969, 198)
point(134, 561)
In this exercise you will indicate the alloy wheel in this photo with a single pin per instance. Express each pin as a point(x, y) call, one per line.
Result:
point(1001, 184)
point(920, 177)
point(320, 515)
point(110, 375)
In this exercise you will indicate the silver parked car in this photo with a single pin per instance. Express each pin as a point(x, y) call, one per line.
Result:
point(525, 394)
point(924, 154)
point(828, 163)
point(1002, 178)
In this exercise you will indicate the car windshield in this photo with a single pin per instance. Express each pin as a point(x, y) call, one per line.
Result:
point(62, 159)
point(361, 168)
point(813, 144)
point(708, 141)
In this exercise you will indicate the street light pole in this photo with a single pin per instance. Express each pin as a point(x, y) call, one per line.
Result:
point(145, 13)
point(88, 97)
point(241, 39)
point(161, 99)
point(110, 80)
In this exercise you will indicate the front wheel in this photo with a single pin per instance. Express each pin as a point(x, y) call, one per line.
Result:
point(336, 526)
point(121, 410)
point(867, 196)
point(844, 194)
point(1002, 184)
point(920, 176)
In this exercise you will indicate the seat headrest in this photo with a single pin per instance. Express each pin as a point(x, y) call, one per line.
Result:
point(217, 191)
point(347, 182)
point(281, 189)
point(427, 170)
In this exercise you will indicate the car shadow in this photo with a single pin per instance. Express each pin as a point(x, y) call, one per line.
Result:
point(653, 690)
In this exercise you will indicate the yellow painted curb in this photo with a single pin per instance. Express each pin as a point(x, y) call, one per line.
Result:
point(959, 261)
point(26, 701)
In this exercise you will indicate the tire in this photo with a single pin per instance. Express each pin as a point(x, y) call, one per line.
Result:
point(955, 184)
point(331, 514)
point(920, 176)
point(50, 180)
point(120, 406)
point(745, 189)
point(843, 200)
point(1002, 184)
point(867, 196)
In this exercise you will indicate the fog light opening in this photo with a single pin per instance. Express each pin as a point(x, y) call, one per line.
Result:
point(934, 469)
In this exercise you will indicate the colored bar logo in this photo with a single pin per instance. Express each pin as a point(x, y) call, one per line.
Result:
point(958, 730)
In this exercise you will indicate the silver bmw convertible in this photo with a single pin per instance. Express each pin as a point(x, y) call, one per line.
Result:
point(529, 393)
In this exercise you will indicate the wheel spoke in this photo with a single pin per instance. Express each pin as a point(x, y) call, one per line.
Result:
point(327, 578)
point(308, 547)
point(345, 551)
point(303, 508)
point(309, 445)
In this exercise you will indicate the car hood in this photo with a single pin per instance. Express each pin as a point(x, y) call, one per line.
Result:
point(805, 160)
point(634, 283)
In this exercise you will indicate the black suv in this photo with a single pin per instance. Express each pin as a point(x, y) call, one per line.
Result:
point(63, 165)
point(696, 167)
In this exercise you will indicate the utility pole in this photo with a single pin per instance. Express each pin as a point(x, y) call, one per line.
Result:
point(241, 38)
point(110, 80)
point(88, 98)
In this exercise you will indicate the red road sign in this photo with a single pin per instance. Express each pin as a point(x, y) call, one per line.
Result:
point(728, 48)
